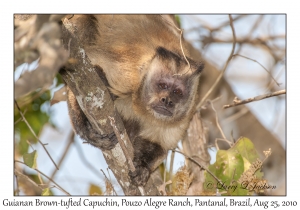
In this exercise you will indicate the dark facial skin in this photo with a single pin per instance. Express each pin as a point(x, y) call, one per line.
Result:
point(169, 92)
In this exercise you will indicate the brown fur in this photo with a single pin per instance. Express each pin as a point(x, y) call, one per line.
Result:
point(139, 55)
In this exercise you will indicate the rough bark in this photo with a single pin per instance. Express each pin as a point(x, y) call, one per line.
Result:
point(195, 145)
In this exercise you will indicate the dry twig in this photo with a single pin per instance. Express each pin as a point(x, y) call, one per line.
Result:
point(108, 181)
point(43, 145)
point(180, 43)
point(217, 120)
point(237, 102)
point(260, 65)
point(70, 142)
point(225, 67)
point(201, 166)
point(37, 170)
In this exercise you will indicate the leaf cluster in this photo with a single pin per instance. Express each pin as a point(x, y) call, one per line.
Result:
point(230, 166)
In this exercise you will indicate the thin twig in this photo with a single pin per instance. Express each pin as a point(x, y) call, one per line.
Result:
point(37, 170)
point(255, 25)
point(17, 183)
point(212, 101)
point(70, 142)
point(40, 178)
point(261, 42)
point(207, 26)
point(171, 167)
point(19, 174)
point(225, 67)
point(278, 84)
point(32, 97)
point(244, 40)
point(165, 171)
point(109, 181)
point(108, 173)
point(203, 167)
point(162, 188)
point(236, 115)
point(180, 42)
point(237, 102)
point(171, 164)
point(18, 120)
point(227, 141)
point(227, 23)
point(217, 120)
point(43, 145)
point(277, 76)
point(30, 145)
point(84, 160)
point(39, 175)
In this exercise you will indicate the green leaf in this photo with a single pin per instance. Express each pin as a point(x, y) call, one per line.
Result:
point(229, 166)
point(34, 116)
point(46, 192)
point(246, 148)
point(227, 163)
point(30, 159)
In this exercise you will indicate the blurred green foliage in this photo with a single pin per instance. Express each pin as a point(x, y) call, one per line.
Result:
point(34, 106)
point(34, 116)
point(177, 18)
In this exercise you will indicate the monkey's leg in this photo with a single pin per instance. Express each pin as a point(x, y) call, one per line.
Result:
point(147, 157)
point(83, 127)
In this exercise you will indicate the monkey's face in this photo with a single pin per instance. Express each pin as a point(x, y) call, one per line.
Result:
point(166, 95)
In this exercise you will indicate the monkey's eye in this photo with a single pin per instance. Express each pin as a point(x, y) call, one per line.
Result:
point(163, 85)
point(177, 92)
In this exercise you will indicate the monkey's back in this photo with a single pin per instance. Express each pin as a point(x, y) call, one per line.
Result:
point(122, 44)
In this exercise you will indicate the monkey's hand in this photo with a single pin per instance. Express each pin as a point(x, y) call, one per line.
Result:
point(140, 176)
point(105, 142)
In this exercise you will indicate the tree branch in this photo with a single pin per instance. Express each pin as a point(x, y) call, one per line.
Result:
point(85, 83)
point(237, 102)
point(195, 144)
point(37, 170)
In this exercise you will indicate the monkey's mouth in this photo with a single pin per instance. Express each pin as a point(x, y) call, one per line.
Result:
point(162, 110)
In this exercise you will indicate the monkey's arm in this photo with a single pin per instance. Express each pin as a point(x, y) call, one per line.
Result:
point(83, 127)
point(147, 157)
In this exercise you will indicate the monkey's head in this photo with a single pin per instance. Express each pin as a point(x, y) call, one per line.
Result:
point(168, 89)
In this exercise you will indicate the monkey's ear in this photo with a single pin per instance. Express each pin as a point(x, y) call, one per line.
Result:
point(199, 68)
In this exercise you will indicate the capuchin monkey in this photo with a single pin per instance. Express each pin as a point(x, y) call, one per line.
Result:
point(152, 78)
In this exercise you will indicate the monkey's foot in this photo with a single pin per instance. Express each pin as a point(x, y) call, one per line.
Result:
point(105, 142)
point(140, 176)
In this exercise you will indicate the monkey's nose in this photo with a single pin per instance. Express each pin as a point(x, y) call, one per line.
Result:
point(166, 101)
